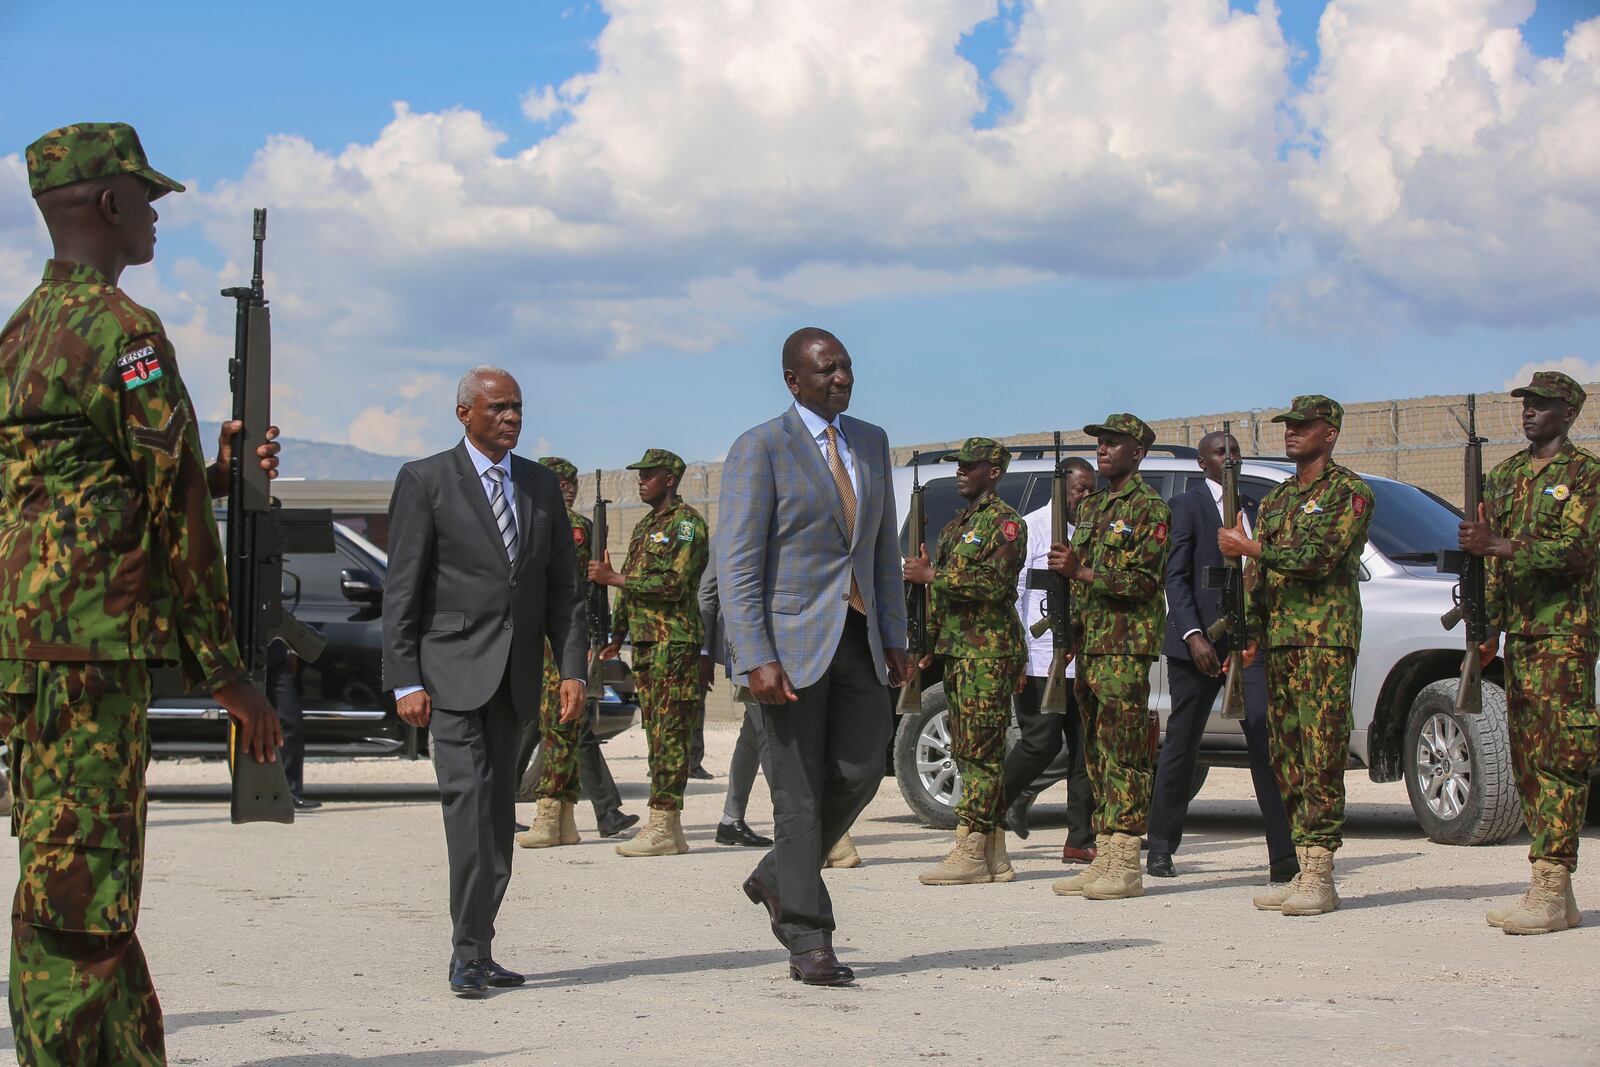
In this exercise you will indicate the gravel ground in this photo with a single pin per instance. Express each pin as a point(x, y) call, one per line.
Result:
point(325, 944)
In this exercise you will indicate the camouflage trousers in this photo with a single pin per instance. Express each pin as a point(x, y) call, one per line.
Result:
point(559, 778)
point(1554, 742)
point(1308, 736)
point(1113, 694)
point(80, 989)
point(667, 674)
point(979, 691)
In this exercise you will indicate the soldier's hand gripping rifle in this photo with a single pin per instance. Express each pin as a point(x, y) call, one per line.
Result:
point(1229, 580)
point(258, 536)
point(1057, 617)
point(916, 599)
point(1471, 592)
point(599, 602)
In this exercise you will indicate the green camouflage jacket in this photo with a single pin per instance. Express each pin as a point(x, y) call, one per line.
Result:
point(582, 532)
point(1550, 584)
point(666, 556)
point(108, 545)
point(1122, 537)
point(1308, 589)
point(972, 603)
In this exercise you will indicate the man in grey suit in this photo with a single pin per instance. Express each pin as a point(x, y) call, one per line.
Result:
point(808, 563)
point(481, 569)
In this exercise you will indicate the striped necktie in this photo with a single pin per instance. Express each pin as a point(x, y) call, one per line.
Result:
point(847, 497)
point(502, 511)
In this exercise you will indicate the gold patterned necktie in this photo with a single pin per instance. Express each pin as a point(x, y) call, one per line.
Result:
point(847, 497)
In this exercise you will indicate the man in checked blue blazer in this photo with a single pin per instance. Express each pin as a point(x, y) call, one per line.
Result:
point(808, 560)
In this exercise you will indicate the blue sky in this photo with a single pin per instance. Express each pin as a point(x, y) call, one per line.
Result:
point(990, 273)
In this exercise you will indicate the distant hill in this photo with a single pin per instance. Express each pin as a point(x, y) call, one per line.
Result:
point(320, 460)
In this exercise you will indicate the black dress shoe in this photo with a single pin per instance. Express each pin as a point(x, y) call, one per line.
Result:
point(467, 978)
point(1284, 869)
point(699, 772)
point(1159, 865)
point(521, 828)
point(614, 822)
point(819, 967)
point(738, 832)
point(499, 976)
point(1017, 815)
point(758, 893)
point(306, 804)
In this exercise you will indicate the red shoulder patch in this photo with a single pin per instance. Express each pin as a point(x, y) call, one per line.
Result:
point(1359, 503)
point(1161, 533)
point(578, 536)
point(1010, 529)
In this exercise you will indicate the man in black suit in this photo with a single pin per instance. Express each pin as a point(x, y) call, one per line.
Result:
point(481, 569)
point(1194, 674)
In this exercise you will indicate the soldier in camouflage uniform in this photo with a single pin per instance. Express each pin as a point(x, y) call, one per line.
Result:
point(1539, 530)
point(109, 560)
point(1118, 558)
point(972, 582)
point(571, 755)
point(1306, 610)
point(660, 612)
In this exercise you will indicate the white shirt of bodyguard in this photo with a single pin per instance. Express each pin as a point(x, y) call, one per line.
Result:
point(481, 463)
point(1030, 602)
point(818, 430)
point(1249, 530)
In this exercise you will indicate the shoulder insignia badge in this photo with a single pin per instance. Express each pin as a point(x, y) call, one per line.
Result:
point(1010, 529)
point(139, 367)
point(1161, 533)
point(686, 531)
point(578, 536)
point(1359, 505)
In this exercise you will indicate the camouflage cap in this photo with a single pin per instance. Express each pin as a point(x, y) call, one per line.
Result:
point(89, 150)
point(1123, 423)
point(658, 457)
point(563, 468)
point(1556, 386)
point(981, 450)
point(1313, 406)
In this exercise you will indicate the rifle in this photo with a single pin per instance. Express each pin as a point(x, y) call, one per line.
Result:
point(916, 599)
point(1057, 616)
point(599, 600)
point(258, 536)
point(1471, 592)
point(1229, 579)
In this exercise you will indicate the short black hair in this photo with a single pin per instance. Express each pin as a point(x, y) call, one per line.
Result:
point(804, 338)
point(1216, 433)
point(1075, 463)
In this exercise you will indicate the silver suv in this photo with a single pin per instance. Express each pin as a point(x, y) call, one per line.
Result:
point(1457, 769)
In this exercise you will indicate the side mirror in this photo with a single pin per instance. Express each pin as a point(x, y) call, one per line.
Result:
point(360, 585)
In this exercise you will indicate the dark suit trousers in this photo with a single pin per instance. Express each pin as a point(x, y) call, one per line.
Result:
point(1040, 743)
point(824, 756)
point(475, 759)
point(1193, 695)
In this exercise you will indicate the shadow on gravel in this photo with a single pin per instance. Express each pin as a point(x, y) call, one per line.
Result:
point(430, 1057)
point(624, 969)
point(172, 1022)
point(988, 958)
point(1432, 892)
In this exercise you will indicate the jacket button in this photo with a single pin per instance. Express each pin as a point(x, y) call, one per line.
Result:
point(507, 625)
point(513, 583)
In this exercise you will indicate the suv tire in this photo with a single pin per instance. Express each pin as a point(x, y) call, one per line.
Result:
point(1458, 768)
point(922, 762)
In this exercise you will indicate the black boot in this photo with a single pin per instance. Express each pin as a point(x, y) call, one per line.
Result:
point(1017, 814)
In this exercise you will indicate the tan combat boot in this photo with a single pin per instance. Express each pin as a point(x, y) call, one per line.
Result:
point(658, 838)
point(966, 863)
point(997, 859)
point(1315, 894)
point(546, 828)
point(1073, 885)
point(1549, 906)
point(1498, 915)
point(843, 855)
point(1275, 895)
point(1122, 877)
point(569, 824)
point(678, 839)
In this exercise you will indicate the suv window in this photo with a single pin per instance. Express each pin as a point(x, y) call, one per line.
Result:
point(1409, 524)
point(941, 503)
point(319, 574)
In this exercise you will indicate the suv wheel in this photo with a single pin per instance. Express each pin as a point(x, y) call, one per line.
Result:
point(923, 765)
point(1458, 768)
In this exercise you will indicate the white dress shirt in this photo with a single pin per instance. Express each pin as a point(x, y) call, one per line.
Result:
point(1249, 531)
point(481, 463)
point(1030, 602)
point(817, 429)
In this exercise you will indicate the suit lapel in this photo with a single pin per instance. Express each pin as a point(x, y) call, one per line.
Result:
point(520, 478)
point(806, 453)
point(1213, 510)
point(478, 501)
